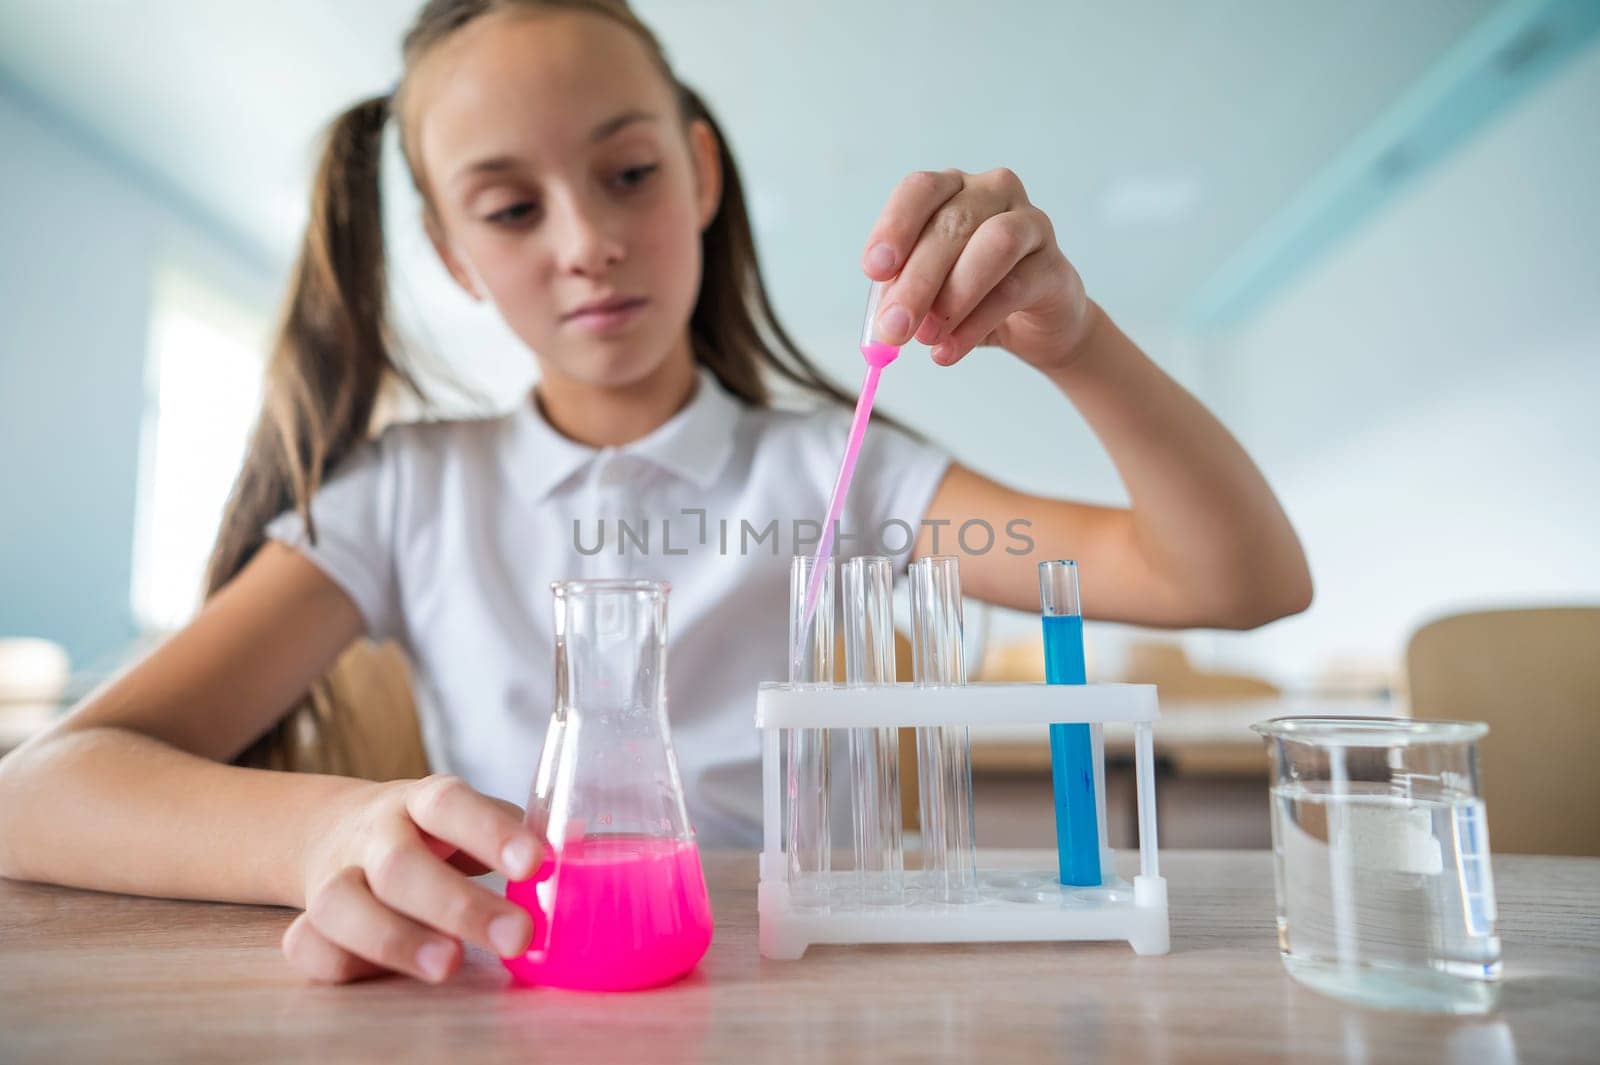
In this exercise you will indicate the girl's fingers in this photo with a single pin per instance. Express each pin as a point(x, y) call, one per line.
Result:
point(944, 237)
point(904, 217)
point(1000, 243)
point(350, 917)
point(447, 809)
point(465, 862)
point(1027, 282)
point(509, 807)
point(319, 959)
point(922, 230)
point(910, 297)
point(419, 885)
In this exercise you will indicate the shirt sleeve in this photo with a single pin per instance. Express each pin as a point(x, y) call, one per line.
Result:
point(354, 518)
point(896, 477)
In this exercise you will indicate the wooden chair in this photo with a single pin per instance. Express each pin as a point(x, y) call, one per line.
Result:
point(364, 724)
point(1534, 677)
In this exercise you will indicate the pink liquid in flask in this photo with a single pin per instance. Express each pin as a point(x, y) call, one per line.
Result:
point(630, 912)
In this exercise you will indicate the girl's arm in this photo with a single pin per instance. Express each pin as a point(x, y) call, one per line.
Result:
point(1204, 542)
point(129, 793)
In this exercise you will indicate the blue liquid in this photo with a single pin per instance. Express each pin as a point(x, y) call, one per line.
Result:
point(1072, 760)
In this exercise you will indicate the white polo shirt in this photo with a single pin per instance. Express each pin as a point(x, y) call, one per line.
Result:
point(446, 535)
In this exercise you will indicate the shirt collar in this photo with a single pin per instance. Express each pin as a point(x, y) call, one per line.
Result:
point(693, 444)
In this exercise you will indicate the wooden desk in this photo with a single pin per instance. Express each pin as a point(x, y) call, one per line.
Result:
point(86, 977)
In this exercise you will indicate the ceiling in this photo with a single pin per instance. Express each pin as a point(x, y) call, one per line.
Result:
point(1160, 136)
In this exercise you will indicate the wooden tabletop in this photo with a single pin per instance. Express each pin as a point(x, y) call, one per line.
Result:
point(89, 977)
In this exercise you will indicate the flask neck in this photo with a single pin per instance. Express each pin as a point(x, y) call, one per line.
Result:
point(607, 768)
point(611, 647)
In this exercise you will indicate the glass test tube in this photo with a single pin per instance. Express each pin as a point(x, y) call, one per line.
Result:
point(944, 754)
point(810, 665)
point(1072, 761)
point(868, 610)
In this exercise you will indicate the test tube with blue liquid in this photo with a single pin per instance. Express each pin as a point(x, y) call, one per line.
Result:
point(1072, 748)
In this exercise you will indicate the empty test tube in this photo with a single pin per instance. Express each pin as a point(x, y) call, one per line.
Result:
point(944, 754)
point(867, 603)
point(808, 784)
point(1072, 749)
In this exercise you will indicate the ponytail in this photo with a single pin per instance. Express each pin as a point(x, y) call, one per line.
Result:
point(331, 355)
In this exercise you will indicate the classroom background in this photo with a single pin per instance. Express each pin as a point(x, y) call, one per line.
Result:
point(1365, 234)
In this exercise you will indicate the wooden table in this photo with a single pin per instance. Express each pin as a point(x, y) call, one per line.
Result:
point(88, 977)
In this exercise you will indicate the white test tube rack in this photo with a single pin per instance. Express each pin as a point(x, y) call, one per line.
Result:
point(1116, 910)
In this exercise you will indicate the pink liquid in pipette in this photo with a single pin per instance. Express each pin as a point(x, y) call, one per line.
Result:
point(878, 355)
point(630, 912)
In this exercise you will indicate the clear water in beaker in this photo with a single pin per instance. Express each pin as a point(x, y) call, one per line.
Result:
point(1381, 852)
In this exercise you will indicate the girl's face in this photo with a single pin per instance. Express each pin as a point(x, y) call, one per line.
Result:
point(566, 188)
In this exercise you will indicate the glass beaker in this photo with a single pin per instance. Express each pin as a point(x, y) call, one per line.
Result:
point(1381, 852)
point(620, 901)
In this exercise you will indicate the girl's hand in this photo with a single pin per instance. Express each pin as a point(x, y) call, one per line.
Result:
point(976, 264)
point(387, 883)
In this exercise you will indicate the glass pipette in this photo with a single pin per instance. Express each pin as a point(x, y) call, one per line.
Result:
point(878, 355)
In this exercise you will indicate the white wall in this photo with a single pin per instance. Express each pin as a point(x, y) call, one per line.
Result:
point(82, 235)
point(999, 416)
point(1427, 399)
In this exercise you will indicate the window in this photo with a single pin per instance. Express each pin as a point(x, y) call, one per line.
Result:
point(202, 394)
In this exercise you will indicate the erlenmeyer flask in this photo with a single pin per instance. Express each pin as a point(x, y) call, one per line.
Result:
point(620, 902)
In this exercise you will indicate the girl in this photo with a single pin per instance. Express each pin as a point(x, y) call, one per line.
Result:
point(569, 178)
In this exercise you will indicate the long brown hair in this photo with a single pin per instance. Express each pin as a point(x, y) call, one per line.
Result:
point(334, 350)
